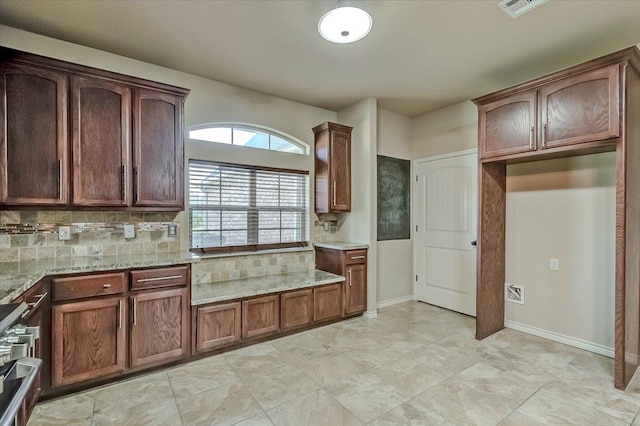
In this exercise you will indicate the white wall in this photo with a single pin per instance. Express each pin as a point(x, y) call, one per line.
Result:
point(395, 257)
point(360, 224)
point(454, 128)
point(558, 208)
point(209, 101)
point(563, 209)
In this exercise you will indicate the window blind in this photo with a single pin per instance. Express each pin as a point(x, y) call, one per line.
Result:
point(235, 206)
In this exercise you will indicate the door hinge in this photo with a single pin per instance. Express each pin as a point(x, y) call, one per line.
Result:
point(416, 278)
point(416, 228)
point(416, 178)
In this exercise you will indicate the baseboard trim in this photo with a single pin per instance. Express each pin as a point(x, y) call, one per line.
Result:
point(561, 338)
point(395, 301)
point(370, 314)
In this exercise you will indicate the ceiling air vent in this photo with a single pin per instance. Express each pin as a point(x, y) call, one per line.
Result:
point(516, 8)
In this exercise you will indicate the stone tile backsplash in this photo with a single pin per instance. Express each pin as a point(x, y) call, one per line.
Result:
point(93, 234)
point(216, 269)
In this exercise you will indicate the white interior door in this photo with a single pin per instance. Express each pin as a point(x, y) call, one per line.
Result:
point(445, 216)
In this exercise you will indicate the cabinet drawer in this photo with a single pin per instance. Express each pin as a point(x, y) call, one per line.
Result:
point(356, 256)
point(159, 277)
point(88, 286)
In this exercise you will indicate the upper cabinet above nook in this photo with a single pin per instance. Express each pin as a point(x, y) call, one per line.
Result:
point(74, 136)
point(579, 109)
point(333, 168)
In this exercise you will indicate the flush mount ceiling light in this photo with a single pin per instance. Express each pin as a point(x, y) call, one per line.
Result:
point(345, 24)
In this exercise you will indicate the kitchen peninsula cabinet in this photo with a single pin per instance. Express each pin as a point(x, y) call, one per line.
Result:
point(260, 316)
point(332, 168)
point(352, 264)
point(296, 309)
point(578, 109)
point(34, 141)
point(125, 148)
point(217, 325)
point(101, 116)
point(589, 108)
point(327, 302)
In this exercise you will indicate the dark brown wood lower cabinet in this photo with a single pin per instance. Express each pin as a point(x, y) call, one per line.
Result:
point(89, 340)
point(355, 289)
point(217, 326)
point(296, 309)
point(260, 316)
point(159, 326)
point(327, 302)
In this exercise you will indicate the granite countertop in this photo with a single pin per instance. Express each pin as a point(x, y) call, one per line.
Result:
point(18, 277)
point(246, 287)
point(342, 245)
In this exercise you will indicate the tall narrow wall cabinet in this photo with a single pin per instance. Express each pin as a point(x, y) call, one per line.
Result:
point(589, 108)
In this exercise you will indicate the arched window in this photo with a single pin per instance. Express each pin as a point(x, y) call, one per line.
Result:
point(248, 136)
point(241, 207)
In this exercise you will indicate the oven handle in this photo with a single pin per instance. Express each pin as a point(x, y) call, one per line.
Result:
point(26, 369)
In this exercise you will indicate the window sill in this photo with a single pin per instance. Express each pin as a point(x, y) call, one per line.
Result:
point(253, 253)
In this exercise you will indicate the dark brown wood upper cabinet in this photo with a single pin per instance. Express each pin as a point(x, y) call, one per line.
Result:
point(332, 168)
point(578, 109)
point(508, 125)
point(33, 147)
point(582, 108)
point(125, 148)
point(158, 153)
point(101, 116)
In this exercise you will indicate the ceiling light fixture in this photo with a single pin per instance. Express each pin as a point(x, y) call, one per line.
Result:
point(345, 24)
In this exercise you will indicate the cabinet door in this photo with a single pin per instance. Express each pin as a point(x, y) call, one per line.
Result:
point(159, 326)
point(260, 316)
point(88, 340)
point(296, 309)
point(158, 150)
point(582, 108)
point(33, 143)
point(101, 116)
point(217, 326)
point(340, 171)
point(356, 289)
point(508, 126)
point(327, 302)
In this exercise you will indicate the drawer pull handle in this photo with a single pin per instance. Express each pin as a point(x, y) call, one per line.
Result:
point(148, 280)
point(349, 277)
point(358, 257)
point(107, 285)
point(40, 297)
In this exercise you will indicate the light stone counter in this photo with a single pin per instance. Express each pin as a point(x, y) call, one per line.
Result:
point(342, 245)
point(246, 287)
point(18, 277)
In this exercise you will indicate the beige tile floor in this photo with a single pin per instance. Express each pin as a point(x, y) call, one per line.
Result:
point(415, 364)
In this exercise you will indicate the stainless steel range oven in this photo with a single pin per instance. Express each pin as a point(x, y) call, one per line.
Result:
point(19, 371)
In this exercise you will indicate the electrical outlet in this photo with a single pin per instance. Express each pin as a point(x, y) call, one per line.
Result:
point(129, 231)
point(554, 264)
point(514, 293)
point(172, 230)
point(64, 233)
